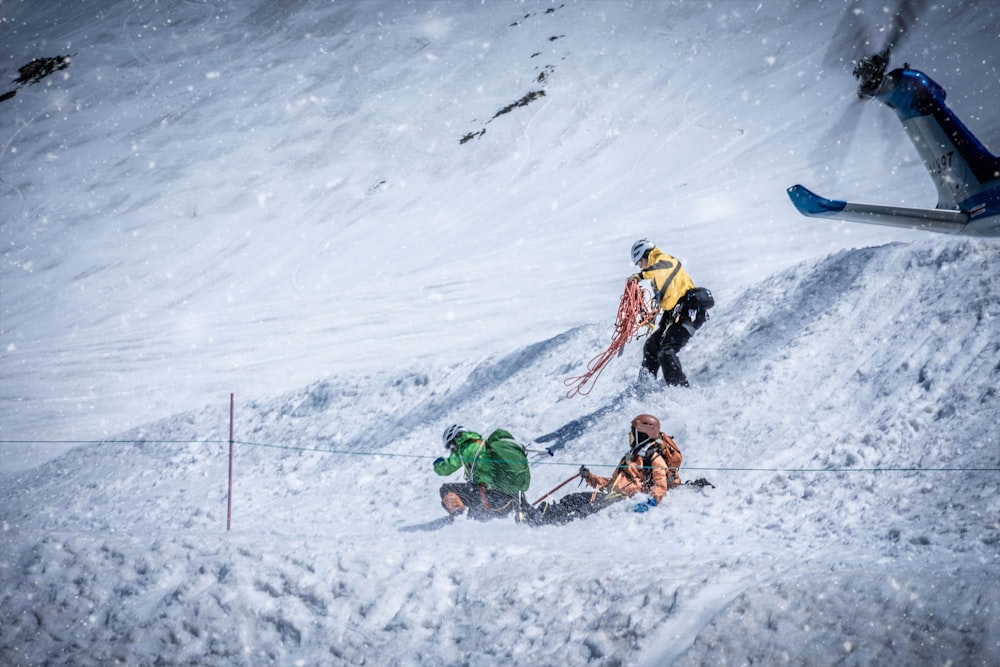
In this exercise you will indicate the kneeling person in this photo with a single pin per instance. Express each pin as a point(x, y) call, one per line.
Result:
point(496, 473)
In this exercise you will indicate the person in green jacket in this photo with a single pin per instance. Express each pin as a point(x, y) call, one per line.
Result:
point(496, 473)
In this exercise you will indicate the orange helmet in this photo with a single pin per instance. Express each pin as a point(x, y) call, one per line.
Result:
point(645, 428)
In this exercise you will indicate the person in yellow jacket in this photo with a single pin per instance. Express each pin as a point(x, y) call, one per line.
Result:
point(683, 307)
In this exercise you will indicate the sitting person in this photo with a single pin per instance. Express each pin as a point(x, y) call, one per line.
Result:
point(649, 468)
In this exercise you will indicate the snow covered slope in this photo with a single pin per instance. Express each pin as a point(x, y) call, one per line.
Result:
point(844, 409)
point(275, 200)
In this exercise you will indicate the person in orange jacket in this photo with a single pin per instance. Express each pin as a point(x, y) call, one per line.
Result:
point(683, 306)
point(649, 468)
point(646, 468)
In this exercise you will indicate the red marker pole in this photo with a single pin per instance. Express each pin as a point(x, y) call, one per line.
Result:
point(229, 498)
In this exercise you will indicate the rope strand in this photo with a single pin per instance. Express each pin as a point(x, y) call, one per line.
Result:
point(572, 464)
point(633, 314)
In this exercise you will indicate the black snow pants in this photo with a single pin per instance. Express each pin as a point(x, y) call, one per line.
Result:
point(571, 506)
point(482, 503)
point(659, 353)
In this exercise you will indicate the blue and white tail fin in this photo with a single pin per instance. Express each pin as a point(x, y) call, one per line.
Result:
point(961, 167)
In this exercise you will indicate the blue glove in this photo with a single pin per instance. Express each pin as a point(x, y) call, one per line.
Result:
point(438, 460)
point(644, 507)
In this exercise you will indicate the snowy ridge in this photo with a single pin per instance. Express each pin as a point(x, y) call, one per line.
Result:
point(219, 196)
point(812, 378)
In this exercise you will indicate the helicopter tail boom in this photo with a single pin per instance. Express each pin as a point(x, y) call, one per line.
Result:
point(959, 164)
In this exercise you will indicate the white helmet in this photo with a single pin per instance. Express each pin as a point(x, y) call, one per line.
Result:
point(450, 433)
point(640, 248)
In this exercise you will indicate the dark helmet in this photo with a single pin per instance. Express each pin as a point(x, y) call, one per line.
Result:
point(639, 249)
point(450, 433)
point(645, 428)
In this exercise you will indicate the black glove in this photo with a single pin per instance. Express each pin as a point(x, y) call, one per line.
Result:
point(584, 473)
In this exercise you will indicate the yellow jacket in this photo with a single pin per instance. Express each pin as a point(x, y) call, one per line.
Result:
point(670, 281)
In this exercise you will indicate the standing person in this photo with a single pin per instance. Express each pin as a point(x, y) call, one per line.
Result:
point(496, 473)
point(649, 468)
point(683, 306)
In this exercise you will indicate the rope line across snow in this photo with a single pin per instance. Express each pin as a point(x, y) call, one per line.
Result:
point(575, 464)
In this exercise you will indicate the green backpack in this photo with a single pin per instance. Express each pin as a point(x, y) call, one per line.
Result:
point(510, 462)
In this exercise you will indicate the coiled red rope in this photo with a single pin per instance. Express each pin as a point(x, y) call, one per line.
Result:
point(634, 313)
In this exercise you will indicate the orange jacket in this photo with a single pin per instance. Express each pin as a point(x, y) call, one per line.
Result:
point(632, 477)
point(672, 453)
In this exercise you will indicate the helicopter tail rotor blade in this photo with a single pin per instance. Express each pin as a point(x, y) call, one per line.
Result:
point(850, 40)
point(906, 15)
point(853, 48)
point(870, 71)
point(833, 146)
